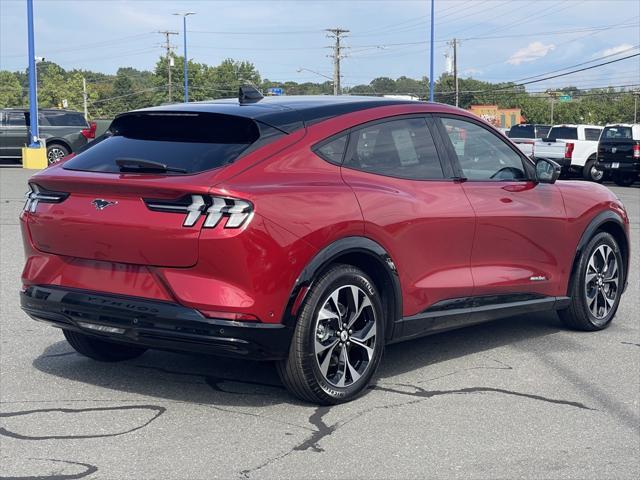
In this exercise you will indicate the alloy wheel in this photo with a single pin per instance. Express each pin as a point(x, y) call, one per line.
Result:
point(54, 154)
point(345, 336)
point(601, 281)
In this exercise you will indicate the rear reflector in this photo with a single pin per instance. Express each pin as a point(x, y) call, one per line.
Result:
point(101, 328)
point(241, 317)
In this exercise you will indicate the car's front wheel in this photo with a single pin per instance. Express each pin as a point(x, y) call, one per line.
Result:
point(596, 286)
point(102, 350)
point(338, 340)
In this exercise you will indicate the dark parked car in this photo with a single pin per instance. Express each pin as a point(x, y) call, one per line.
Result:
point(312, 231)
point(619, 152)
point(64, 131)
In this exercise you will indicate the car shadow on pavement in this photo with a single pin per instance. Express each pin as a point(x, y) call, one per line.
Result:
point(231, 382)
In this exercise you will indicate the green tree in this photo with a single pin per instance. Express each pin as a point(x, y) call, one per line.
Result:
point(10, 90)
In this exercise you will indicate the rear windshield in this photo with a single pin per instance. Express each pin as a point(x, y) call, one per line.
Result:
point(617, 133)
point(194, 142)
point(564, 133)
point(522, 131)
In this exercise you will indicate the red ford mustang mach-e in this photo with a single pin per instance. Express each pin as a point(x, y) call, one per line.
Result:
point(311, 231)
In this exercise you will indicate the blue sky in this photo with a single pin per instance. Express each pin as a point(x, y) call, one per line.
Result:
point(280, 37)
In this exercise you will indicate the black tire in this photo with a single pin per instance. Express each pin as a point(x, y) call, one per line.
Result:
point(102, 350)
point(589, 172)
point(625, 179)
point(302, 372)
point(579, 315)
point(55, 152)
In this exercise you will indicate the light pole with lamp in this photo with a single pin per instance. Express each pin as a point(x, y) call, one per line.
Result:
point(186, 61)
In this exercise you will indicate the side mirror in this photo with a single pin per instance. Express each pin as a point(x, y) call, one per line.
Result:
point(547, 171)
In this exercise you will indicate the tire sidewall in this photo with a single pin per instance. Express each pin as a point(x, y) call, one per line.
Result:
point(602, 238)
point(341, 276)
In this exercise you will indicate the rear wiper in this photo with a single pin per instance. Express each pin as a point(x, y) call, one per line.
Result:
point(139, 165)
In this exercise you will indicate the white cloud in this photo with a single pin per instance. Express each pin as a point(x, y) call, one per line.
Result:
point(530, 53)
point(613, 50)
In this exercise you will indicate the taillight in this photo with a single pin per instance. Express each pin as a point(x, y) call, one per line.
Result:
point(636, 151)
point(237, 212)
point(37, 194)
point(568, 150)
point(89, 133)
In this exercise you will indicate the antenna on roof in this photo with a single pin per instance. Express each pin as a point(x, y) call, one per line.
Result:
point(249, 94)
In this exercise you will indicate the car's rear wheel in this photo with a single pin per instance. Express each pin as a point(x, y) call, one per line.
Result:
point(625, 179)
point(102, 350)
point(596, 286)
point(338, 340)
point(592, 172)
point(56, 152)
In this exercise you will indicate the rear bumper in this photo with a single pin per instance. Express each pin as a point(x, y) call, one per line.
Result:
point(623, 167)
point(154, 324)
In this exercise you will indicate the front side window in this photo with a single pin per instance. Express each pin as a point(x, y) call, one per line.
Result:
point(399, 148)
point(481, 154)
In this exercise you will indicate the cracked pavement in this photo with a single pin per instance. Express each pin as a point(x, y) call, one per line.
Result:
point(520, 397)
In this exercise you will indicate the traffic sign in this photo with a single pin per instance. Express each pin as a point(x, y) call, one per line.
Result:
point(276, 91)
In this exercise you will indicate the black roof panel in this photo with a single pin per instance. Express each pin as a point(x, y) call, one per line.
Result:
point(287, 113)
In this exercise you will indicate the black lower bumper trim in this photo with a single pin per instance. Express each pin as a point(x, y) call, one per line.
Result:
point(154, 324)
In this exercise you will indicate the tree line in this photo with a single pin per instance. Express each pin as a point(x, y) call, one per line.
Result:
point(131, 88)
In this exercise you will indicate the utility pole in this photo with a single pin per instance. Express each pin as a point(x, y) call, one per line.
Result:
point(552, 97)
point(454, 43)
point(636, 94)
point(84, 98)
point(168, 47)
point(337, 34)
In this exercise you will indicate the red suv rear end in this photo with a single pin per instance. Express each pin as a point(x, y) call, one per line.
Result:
point(311, 231)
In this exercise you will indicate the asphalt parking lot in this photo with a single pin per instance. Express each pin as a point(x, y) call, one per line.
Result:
point(517, 398)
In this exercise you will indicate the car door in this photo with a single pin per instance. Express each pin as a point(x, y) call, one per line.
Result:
point(15, 134)
point(414, 208)
point(520, 224)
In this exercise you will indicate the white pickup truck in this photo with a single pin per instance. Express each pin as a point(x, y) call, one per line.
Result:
point(574, 147)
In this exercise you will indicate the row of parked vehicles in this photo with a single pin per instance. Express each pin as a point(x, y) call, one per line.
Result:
point(592, 151)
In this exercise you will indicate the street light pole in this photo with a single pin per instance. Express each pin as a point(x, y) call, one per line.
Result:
point(186, 61)
point(34, 141)
point(431, 48)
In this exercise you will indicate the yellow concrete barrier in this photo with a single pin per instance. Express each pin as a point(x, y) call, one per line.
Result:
point(34, 158)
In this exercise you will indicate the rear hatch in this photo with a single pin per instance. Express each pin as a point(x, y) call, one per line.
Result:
point(105, 203)
point(616, 145)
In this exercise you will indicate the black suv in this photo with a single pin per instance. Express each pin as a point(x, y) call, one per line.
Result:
point(619, 152)
point(64, 132)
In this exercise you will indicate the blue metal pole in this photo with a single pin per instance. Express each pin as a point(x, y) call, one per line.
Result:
point(432, 48)
point(186, 62)
point(33, 86)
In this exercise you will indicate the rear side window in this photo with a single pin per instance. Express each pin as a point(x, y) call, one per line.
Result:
point(194, 142)
point(333, 150)
point(617, 133)
point(399, 148)
point(65, 119)
point(592, 133)
point(16, 119)
point(564, 133)
point(543, 130)
point(522, 131)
